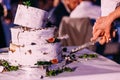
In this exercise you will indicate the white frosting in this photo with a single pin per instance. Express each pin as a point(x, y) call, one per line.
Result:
point(21, 37)
point(1, 68)
point(30, 17)
point(35, 48)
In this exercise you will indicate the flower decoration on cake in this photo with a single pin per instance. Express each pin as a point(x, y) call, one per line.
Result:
point(43, 63)
point(58, 71)
point(57, 39)
point(47, 63)
point(5, 66)
point(85, 55)
point(53, 40)
point(54, 61)
point(27, 3)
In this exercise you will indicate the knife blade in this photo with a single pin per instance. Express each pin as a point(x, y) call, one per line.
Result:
point(84, 46)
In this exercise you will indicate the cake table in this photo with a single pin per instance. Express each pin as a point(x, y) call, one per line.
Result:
point(99, 68)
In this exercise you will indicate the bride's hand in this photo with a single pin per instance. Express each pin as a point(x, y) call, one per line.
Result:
point(102, 28)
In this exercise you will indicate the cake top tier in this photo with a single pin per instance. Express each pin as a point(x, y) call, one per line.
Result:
point(31, 17)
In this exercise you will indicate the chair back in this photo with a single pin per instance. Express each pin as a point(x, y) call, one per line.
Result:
point(79, 31)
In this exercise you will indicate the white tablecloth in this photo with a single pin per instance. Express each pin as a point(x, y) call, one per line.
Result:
point(99, 68)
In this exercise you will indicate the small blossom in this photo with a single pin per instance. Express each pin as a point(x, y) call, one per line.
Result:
point(51, 40)
point(54, 61)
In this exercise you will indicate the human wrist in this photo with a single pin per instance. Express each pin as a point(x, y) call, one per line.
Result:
point(115, 14)
point(111, 17)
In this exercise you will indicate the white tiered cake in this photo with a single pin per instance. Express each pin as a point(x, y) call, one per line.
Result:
point(30, 44)
point(30, 17)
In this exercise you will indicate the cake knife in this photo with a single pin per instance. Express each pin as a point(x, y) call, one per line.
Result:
point(84, 46)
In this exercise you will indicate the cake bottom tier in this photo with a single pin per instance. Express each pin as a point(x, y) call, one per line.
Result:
point(29, 55)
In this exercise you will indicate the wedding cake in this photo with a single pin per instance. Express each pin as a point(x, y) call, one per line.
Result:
point(30, 16)
point(30, 41)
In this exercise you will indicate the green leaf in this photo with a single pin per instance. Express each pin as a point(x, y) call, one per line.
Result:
point(43, 63)
point(7, 66)
point(27, 3)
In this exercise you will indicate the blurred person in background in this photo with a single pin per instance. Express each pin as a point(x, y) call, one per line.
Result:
point(64, 8)
point(7, 21)
point(56, 2)
point(2, 36)
point(41, 4)
point(14, 4)
point(49, 5)
point(7, 4)
point(46, 5)
point(7, 24)
point(86, 8)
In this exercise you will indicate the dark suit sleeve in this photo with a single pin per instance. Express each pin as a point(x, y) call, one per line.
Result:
point(1, 10)
point(57, 14)
point(52, 16)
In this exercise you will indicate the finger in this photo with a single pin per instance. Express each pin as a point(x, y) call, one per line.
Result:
point(102, 40)
point(114, 33)
point(108, 34)
point(94, 28)
point(102, 33)
point(96, 35)
point(96, 25)
point(108, 38)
